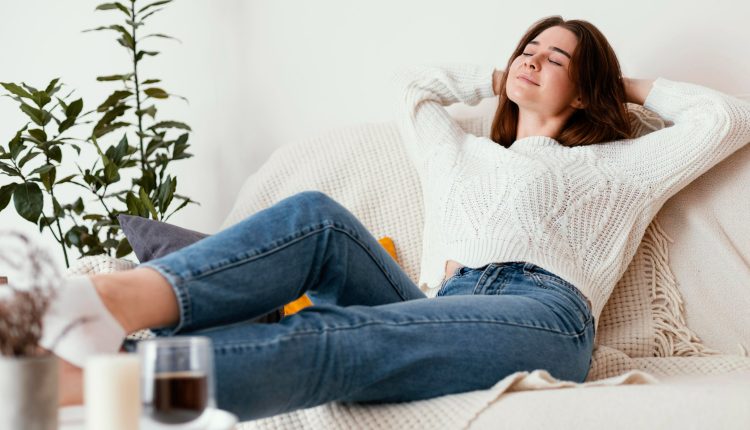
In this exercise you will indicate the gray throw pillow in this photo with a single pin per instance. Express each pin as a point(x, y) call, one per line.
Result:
point(151, 239)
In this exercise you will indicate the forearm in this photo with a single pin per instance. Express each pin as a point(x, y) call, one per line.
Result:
point(636, 90)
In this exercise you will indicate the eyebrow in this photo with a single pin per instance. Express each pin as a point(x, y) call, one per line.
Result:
point(552, 48)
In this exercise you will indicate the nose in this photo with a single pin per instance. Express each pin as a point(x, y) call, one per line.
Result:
point(531, 62)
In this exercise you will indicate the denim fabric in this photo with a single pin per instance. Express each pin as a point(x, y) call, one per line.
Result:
point(372, 335)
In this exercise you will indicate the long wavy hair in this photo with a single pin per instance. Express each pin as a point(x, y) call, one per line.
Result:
point(595, 70)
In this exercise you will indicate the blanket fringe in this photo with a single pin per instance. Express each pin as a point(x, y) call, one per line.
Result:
point(673, 337)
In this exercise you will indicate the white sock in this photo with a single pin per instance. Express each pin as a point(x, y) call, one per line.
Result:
point(100, 333)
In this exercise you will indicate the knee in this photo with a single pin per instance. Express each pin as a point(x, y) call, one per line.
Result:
point(319, 202)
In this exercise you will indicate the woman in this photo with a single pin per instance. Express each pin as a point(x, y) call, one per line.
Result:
point(525, 236)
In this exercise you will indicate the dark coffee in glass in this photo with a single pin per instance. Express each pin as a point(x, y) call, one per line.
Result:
point(179, 397)
point(176, 378)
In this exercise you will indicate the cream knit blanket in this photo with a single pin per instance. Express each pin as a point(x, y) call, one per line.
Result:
point(642, 332)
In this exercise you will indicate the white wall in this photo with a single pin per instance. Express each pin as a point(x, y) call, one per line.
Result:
point(261, 73)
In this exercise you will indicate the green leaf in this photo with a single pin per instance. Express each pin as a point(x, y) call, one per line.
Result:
point(57, 210)
point(78, 206)
point(93, 217)
point(41, 98)
point(180, 145)
point(28, 157)
point(150, 81)
point(110, 116)
point(42, 169)
point(153, 145)
point(29, 88)
point(15, 89)
point(142, 53)
point(165, 192)
point(73, 236)
point(123, 248)
point(151, 5)
point(170, 124)
point(109, 6)
point(124, 77)
point(66, 179)
point(28, 200)
point(9, 170)
point(156, 93)
point(6, 191)
point(35, 114)
point(150, 111)
point(143, 18)
point(182, 205)
point(135, 207)
point(163, 36)
point(111, 174)
point(113, 99)
point(74, 109)
point(99, 132)
point(51, 87)
point(121, 150)
point(48, 178)
point(66, 124)
point(55, 153)
point(126, 42)
point(16, 145)
point(147, 202)
point(38, 134)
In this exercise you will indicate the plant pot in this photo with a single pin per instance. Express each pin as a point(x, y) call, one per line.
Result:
point(28, 392)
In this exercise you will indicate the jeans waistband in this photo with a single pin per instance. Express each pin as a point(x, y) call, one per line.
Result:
point(533, 268)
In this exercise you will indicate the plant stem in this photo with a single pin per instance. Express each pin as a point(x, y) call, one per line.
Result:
point(61, 240)
point(137, 87)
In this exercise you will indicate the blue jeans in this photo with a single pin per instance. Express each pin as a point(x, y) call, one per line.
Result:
point(372, 335)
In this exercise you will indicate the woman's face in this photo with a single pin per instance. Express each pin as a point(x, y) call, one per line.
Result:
point(545, 61)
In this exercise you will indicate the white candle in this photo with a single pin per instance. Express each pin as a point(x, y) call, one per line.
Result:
point(112, 392)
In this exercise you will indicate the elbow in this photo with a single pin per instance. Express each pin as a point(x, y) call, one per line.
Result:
point(737, 114)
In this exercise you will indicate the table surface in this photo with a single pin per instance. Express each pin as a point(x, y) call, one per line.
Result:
point(72, 418)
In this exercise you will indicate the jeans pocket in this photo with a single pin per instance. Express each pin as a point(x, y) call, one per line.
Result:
point(457, 274)
point(551, 282)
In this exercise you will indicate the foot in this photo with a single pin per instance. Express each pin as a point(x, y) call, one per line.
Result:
point(78, 324)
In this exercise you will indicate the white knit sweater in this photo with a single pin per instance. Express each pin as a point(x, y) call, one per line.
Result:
point(578, 212)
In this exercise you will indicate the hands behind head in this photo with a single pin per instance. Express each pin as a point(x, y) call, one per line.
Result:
point(497, 77)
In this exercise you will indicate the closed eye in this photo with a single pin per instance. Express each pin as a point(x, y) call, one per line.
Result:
point(553, 62)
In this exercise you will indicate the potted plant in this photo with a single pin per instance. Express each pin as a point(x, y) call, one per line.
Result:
point(130, 176)
point(29, 373)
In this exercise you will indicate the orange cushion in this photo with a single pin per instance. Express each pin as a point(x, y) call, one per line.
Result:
point(304, 301)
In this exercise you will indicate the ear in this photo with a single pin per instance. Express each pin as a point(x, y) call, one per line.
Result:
point(577, 103)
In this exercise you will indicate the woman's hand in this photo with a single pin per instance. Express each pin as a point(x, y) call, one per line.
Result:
point(497, 76)
point(636, 90)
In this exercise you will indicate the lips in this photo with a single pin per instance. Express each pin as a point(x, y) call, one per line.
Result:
point(528, 79)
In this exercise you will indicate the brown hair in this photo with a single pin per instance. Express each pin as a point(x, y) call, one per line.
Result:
point(595, 71)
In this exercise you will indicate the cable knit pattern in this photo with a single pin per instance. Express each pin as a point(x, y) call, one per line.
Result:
point(579, 212)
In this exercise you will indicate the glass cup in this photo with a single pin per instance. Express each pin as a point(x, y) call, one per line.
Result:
point(177, 378)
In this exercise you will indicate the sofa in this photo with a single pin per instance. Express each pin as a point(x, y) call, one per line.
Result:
point(672, 346)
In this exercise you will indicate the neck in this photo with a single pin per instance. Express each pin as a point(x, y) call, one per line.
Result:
point(535, 124)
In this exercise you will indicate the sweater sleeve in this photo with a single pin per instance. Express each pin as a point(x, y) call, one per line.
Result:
point(422, 94)
point(704, 126)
